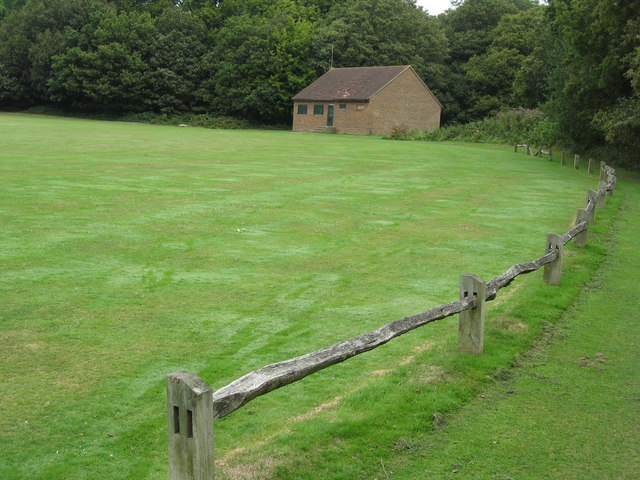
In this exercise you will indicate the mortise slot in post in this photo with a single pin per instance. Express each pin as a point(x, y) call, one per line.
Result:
point(189, 424)
point(553, 270)
point(176, 419)
point(190, 450)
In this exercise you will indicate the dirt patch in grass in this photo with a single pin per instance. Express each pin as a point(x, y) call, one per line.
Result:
point(251, 471)
point(319, 409)
point(433, 374)
point(511, 324)
point(417, 350)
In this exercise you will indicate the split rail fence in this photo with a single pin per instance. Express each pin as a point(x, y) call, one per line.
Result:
point(563, 160)
point(192, 406)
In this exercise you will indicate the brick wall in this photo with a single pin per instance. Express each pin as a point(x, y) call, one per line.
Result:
point(309, 121)
point(404, 101)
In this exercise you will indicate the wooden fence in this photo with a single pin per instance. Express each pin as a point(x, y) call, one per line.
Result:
point(192, 406)
point(540, 152)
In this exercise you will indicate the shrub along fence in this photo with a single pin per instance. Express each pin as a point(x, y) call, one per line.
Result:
point(192, 406)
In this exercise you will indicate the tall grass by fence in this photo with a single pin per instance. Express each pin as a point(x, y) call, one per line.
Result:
point(192, 406)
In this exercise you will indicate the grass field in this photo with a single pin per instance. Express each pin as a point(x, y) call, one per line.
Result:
point(571, 411)
point(130, 251)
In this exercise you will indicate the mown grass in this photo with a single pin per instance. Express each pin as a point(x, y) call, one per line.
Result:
point(570, 410)
point(391, 427)
point(130, 251)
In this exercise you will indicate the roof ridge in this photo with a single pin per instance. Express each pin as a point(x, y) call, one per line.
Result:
point(373, 66)
point(350, 83)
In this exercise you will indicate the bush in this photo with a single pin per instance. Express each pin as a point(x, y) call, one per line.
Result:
point(510, 126)
point(203, 120)
point(544, 132)
point(402, 132)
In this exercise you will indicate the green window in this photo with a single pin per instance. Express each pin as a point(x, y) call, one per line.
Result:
point(343, 106)
point(302, 109)
point(318, 109)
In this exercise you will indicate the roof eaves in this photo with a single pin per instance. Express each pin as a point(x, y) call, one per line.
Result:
point(335, 100)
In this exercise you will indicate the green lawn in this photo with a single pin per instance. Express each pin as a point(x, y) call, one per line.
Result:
point(130, 251)
point(572, 411)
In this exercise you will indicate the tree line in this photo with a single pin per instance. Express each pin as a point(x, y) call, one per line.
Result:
point(576, 60)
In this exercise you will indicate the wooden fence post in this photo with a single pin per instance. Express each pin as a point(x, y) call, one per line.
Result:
point(602, 194)
point(592, 196)
point(603, 173)
point(553, 270)
point(563, 161)
point(471, 322)
point(190, 422)
point(590, 169)
point(612, 188)
point(576, 161)
point(580, 240)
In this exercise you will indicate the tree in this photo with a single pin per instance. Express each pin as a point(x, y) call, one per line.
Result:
point(620, 123)
point(174, 63)
point(259, 60)
point(358, 33)
point(482, 55)
point(531, 87)
point(131, 61)
point(29, 37)
point(491, 76)
point(470, 25)
point(105, 66)
point(8, 5)
point(380, 32)
point(599, 41)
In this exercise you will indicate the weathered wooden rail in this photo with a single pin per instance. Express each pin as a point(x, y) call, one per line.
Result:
point(192, 406)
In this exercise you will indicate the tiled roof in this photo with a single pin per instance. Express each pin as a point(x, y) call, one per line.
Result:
point(349, 84)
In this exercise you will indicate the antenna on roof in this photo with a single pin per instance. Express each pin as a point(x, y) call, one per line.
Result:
point(331, 64)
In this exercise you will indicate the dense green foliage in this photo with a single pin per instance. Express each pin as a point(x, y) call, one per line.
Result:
point(484, 55)
point(509, 126)
point(241, 58)
point(594, 87)
point(578, 61)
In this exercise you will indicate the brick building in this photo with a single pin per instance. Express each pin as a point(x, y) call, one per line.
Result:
point(366, 101)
